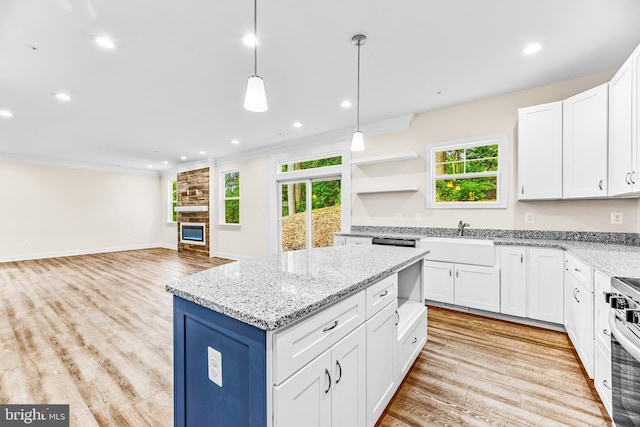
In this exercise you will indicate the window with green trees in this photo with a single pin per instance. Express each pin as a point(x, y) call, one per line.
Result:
point(231, 199)
point(467, 174)
point(172, 192)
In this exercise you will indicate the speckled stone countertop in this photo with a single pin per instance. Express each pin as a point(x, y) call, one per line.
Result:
point(272, 291)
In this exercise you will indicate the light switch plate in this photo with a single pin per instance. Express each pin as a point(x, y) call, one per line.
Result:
point(215, 365)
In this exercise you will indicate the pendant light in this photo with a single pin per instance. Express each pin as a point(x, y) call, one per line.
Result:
point(255, 99)
point(357, 141)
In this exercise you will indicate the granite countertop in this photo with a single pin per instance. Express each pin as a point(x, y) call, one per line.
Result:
point(272, 291)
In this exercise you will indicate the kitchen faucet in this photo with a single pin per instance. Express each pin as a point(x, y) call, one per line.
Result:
point(461, 227)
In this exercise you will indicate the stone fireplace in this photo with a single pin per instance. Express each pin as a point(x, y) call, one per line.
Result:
point(193, 212)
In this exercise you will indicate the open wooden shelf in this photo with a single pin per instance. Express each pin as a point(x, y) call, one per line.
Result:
point(399, 189)
point(409, 155)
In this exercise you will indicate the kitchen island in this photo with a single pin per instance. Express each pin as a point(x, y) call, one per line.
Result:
point(325, 334)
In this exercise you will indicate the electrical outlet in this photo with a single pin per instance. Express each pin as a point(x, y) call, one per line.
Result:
point(418, 216)
point(25, 243)
point(398, 217)
point(215, 365)
point(528, 217)
point(616, 217)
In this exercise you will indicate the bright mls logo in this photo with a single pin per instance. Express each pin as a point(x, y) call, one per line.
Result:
point(34, 415)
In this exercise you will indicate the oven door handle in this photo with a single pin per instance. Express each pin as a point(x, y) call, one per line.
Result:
point(622, 336)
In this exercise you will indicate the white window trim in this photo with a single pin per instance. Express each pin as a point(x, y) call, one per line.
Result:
point(222, 213)
point(170, 201)
point(501, 174)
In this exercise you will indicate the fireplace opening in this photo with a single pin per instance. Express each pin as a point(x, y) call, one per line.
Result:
point(193, 233)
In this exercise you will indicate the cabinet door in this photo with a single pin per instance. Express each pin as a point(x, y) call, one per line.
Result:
point(477, 287)
point(349, 400)
point(570, 306)
point(305, 398)
point(584, 328)
point(540, 152)
point(438, 281)
point(545, 301)
point(635, 119)
point(621, 130)
point(601, 332)
point(602, 376)
point(584, 144)
point(513, 280)
point(382, 337)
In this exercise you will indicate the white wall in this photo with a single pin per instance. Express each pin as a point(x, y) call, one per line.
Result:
point(488, 116)
point(65, 211)
point(251, 238)
point(168, 232)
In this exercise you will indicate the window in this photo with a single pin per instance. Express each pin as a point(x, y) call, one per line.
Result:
point(310, 164)
point(230, 198)
point(172, 201)
point(467, 174)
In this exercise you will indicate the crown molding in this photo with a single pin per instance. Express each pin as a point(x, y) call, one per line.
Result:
point(209, 162)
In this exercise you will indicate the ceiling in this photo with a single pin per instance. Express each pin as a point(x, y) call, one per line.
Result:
point(174, 85)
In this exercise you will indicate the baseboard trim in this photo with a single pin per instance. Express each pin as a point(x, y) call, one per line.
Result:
point(59, 254)
point(228, 255)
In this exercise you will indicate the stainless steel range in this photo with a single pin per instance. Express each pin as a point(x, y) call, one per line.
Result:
point(624, 321)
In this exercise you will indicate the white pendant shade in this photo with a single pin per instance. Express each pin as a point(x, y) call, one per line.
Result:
point(255, 98)
point(357, 142)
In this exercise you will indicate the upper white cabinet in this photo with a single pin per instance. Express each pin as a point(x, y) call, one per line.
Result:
point(540, 152)
point(624, 89)
point(584, 144)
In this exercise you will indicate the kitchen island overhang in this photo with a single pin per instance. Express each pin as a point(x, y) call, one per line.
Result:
point(237, 309)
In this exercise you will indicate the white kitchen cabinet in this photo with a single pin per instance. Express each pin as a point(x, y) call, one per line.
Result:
point(382, 343)
point(584, 144)
point(545, 290)
point(624, 89)
point(540, 152)
point(438, 281)
point(472, 286)
point(330, 390)
point(477, 287)
point(513, 280)
point(602, 362)
point(578, 310)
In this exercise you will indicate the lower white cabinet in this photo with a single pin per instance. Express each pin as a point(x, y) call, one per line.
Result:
point(382, 381)
point(468, 285)
point(477, 287)
point(578, 310)
point(531, 283)
point(329, 391)
point(602, 337)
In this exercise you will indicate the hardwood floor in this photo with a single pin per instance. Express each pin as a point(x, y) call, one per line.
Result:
point(476, 371)
point(95, 332)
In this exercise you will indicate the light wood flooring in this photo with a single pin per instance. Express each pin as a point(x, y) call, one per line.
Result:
point(95, 332)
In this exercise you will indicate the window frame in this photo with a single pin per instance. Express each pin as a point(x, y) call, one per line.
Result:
point(223, 199)
point(501, 174)
point(171, 204)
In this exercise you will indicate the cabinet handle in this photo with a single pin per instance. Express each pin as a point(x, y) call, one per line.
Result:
point(606, 384)
point(398, 317)
point(522, 191)
point(606, 332)
point(576, 269)
point(326, 371)
point(384, 294)
point(576, 295)
point(415, 340)
point(565, 264)
point(328, 328)
point(339, 370)
point(632, 177)
point(600, 185)
point(457, 273)
point(626, 178)
point(450, 274)
point(521, 258)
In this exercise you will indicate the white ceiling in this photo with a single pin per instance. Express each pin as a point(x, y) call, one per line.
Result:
point(174, 85)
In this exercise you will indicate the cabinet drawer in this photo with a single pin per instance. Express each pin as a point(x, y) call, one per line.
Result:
point(380, 294)
point(351, 240)
point(579, 270)
point(297, 345)
point(411, 343)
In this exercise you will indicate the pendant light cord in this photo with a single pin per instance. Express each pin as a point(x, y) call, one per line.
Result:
point(255, 37)
point(358, 95)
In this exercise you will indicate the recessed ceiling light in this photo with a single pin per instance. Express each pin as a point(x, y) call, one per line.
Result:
point(203, 152)
point(165, 162)
point(149, 166)
point(62, 96)
point(250, 40)
point(532, 48)
point(183, 158)
point(345, 104)
point(105, 42)
point(235, 141)
point(297, 125)
point(6, 113)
